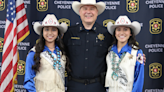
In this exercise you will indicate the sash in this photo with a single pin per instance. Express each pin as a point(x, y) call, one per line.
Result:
point(122, 77)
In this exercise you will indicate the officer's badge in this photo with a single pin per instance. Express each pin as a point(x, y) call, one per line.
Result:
point(1, 44)
point(155, 70)
point(42, 5)
point(155, 26)
point(21, 67)
point(64, 20)
point(132, 6)
point(105, 22)
point(101, 37)
point(2, 5)
point(140, 58)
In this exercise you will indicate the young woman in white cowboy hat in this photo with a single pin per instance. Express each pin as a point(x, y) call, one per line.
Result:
point(125, 71)
point(45, 63)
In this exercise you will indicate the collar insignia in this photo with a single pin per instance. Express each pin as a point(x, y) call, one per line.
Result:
point(94, 28)
point(80, 28)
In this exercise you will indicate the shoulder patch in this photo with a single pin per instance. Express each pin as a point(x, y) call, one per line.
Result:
point(140, 58)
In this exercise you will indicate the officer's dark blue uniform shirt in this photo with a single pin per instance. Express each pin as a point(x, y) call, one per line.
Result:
point(87, 50)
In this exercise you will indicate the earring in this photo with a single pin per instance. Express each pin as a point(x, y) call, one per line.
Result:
point(57, 39)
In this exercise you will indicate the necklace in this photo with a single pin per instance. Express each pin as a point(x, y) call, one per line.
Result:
point(115, 65)
point(51, 47)
point(56, 61)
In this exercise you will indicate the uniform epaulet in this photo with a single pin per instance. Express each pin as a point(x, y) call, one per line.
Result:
point(100, 25)
point(73, 26)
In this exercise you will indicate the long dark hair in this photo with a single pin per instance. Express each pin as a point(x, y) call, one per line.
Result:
point(131, 41)
point(39, 47)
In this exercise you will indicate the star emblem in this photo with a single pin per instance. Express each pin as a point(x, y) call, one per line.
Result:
point(130, 56)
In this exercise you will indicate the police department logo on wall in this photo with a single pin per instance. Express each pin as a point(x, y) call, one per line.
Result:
point(66, 74)
point(132, 6)
point(105, 22)
point(42, 5)
point(155, 26)
point(2, 5)
point(21, 67)
point(1, 44)
point(155, 70)
point(37, 40)
point(64, 20)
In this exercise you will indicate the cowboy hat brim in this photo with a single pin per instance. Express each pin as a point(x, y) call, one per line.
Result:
point(77, 5)
point(135, 26)
point(38, 27)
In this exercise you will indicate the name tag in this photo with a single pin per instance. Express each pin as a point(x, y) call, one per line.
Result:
point(75, 37)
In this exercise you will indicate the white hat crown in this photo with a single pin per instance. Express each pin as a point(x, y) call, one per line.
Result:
point(124, 21)
point(77, 5)
point(50, 20)
point(88, 1)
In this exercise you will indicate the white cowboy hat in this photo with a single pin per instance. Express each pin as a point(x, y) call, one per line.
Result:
point(50, 20)
point(124, 21)
point(77, 5)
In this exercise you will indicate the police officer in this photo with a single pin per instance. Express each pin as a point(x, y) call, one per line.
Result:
point(87, 44)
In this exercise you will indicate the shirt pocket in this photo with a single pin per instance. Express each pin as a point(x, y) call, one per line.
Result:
point(101, 49)
point(73, 46)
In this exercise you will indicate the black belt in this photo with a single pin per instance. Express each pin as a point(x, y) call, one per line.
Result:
point(85, 81)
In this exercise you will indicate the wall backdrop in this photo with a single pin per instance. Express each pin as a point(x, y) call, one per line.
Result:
point(150, 14)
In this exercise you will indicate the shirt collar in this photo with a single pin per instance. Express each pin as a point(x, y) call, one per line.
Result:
point(125, 48)
point(81, 28)
point(47, 49)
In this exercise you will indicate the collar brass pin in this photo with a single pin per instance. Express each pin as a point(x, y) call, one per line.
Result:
point(94, 28)
point(80, 28)
point(130, 56)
